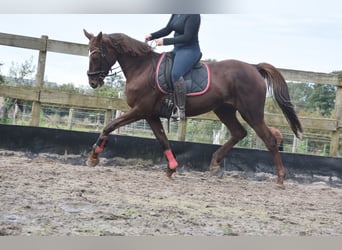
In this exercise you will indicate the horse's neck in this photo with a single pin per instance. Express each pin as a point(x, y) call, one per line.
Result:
point(127, 65)
point(133, 66)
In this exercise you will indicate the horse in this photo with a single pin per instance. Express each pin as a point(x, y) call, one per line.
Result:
point(235, 86)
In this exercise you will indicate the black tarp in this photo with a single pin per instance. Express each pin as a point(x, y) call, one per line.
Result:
point(193, 156)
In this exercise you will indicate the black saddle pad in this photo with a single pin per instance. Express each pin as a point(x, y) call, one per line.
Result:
point(197, 80)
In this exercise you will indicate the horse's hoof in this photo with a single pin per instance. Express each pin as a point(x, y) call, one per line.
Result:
point(213, 170)
point(280, 185)
point(93, 161)
point(169, 173)
point(220, 175)
point(280, 182)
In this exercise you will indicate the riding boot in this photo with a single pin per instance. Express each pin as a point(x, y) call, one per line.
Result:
point(180, 95)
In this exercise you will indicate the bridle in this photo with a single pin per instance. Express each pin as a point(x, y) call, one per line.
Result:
point(102, 73)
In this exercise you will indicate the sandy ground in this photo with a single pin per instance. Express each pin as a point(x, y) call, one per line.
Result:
point(54, 195)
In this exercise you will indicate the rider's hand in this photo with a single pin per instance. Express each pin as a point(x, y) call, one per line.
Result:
point(148, 38)
point(160, 42)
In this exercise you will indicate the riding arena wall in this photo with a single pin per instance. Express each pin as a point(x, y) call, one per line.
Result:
point(191, 156)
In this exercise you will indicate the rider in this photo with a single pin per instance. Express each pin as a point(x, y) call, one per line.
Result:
point(186, 51)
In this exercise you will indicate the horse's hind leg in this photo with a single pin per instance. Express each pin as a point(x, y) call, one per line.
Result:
point(271, 143)
point(227, 114)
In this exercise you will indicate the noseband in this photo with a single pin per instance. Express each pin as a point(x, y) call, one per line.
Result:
point(102, 73)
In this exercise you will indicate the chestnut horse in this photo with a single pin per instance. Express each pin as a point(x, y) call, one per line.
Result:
point(235, 86)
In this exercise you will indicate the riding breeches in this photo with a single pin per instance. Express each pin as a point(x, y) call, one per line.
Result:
point(185, 58)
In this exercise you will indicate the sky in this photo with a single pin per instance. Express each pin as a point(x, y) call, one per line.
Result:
point(291, 35)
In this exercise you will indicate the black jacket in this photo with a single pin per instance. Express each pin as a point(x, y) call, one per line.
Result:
point(186, 29)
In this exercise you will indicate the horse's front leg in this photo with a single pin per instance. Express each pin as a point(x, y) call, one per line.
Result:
point(159, 133)
point(98, 147)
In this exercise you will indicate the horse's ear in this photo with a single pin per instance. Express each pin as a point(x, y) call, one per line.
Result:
point(99, 37)
point(87, 34)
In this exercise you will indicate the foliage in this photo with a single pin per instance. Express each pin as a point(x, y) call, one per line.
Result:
point(20, 72)
point(106, 91)
point(2, 80)
point(68, 87)
point(299, 93)
point(322, 99)
point(313, 99)
point(201, 130)
point(112, 86)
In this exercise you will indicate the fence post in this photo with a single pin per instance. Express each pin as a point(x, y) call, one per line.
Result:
point(39, 81)
point(338, 116)
point(15, 113)
point(108, 117)
point(70, 118)
point(294, 144)
point(182, 129)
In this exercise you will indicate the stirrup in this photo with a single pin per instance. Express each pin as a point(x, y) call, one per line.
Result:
point(181, 114)
point(174, 113)
point(177, 115)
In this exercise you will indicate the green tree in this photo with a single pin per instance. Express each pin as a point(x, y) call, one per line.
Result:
point(299, 93)
point(313, 98)
point(112, 86)
point(201, 130)
point(22, 71)
point(70, 88)
point(322, 99)
point(2, 80)
point(116, 81)
point(3, 109)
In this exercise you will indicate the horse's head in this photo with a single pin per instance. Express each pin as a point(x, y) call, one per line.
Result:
point(100, 60)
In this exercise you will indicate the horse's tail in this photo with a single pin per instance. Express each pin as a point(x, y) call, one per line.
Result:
point(277, 83)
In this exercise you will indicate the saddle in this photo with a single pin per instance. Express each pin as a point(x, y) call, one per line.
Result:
point(197, 80)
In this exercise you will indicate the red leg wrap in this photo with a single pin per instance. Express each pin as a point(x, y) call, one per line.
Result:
point(100, 144)
point(173, 164)
point(98, 150)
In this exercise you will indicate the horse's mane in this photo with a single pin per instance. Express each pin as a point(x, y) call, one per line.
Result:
point(124, 44)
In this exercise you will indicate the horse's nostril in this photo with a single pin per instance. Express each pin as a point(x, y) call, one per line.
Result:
point(93, 85)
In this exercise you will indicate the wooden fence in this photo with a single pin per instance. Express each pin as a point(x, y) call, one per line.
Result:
point(43, 96)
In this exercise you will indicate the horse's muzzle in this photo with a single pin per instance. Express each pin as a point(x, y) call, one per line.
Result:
point(93, 84)
point(96, 78)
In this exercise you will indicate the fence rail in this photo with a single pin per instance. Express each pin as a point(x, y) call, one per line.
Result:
point(39, 95)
